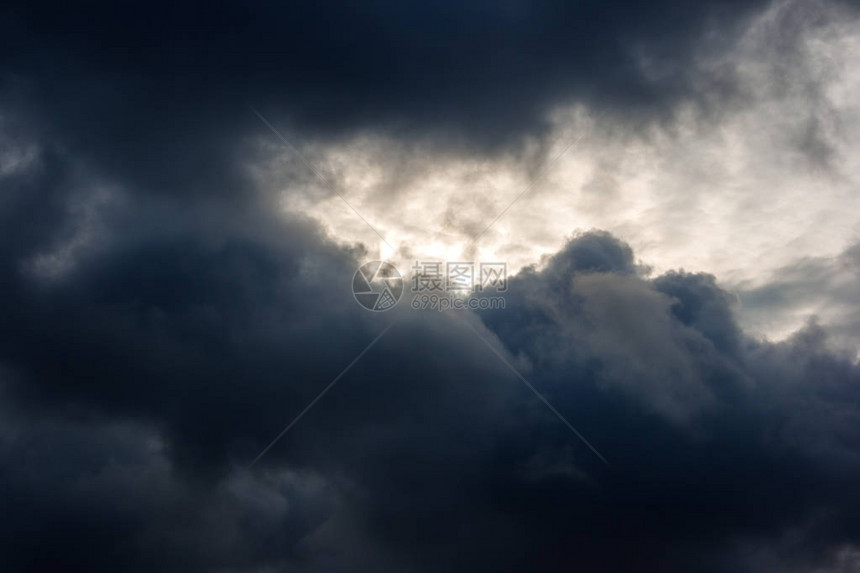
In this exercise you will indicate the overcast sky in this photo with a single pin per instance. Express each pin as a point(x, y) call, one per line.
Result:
point(187, 382)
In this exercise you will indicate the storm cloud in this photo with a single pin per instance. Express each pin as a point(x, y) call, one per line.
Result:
point(165, 311)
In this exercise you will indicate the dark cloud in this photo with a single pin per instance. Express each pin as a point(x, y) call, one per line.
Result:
point(141, 380)
point(161, 319)
point(158, 91)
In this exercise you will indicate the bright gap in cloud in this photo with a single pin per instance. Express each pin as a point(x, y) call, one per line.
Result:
point(767, 179)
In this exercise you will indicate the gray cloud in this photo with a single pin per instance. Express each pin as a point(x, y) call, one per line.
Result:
point(162, 318)
point(430, 454)
point(822, 289)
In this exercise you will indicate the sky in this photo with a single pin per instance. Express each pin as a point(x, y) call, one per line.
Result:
point(190, 379)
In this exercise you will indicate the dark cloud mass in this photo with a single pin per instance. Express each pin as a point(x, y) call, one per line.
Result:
point(162, 319)
point(129, 83)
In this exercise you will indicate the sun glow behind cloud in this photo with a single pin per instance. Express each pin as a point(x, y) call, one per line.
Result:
point(183, 332)
point(767, 177)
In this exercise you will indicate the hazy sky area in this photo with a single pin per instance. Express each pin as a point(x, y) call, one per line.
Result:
point(749, 188)
point(210, 364)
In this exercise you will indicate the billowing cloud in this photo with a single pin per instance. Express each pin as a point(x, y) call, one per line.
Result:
point(175, 289)
point(738, 185)
point(141, 383)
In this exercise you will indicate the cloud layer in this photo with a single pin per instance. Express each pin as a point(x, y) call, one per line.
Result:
point(139, 385)
point(167, 305)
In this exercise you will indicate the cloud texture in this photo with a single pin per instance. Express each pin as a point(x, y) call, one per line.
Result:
point(163, 317)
